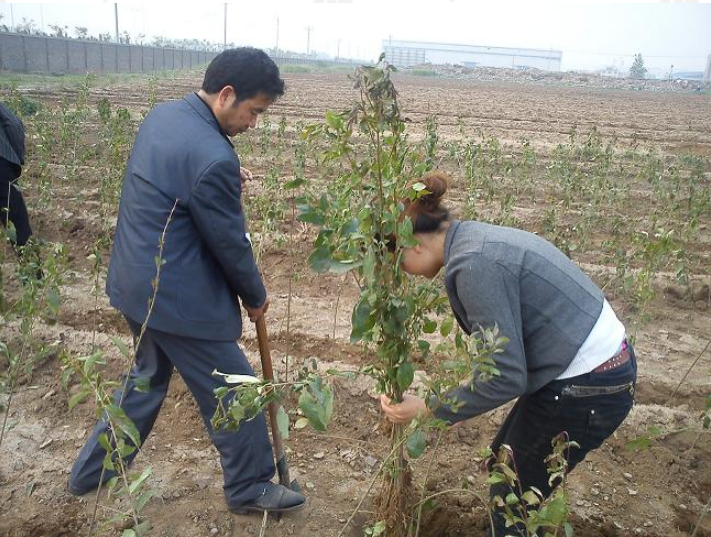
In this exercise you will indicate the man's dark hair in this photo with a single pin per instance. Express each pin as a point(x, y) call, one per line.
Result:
point(248, 70)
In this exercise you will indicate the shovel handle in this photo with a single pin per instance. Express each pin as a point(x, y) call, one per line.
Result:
point(268, 373)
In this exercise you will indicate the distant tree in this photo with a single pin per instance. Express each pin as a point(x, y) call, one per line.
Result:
point(638, 70)
point(59, 31)
point(26, 27)
point(105, 37)
point(81, 32)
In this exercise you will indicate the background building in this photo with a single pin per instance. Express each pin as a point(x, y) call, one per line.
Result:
point(409, 53)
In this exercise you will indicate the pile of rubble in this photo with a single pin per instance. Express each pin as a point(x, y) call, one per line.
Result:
point(558, 78)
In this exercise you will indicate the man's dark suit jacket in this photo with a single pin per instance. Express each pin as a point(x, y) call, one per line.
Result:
point(181, 153)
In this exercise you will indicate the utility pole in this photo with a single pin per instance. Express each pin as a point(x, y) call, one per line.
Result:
point(41, 18)
point(224, 41)
point(116, 21)
point(276, 45)
point(12, 18)
point(338, 50)
point(308, 40)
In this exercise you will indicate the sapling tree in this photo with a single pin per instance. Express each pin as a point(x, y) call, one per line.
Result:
point(362, 229)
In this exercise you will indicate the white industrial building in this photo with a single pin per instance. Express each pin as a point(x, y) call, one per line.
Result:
point(409, 53)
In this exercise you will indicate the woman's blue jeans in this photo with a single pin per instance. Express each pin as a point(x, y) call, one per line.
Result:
point(589, 408)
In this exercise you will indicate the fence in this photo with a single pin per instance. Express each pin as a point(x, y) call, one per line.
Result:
point(37, 54)
point(56, 55)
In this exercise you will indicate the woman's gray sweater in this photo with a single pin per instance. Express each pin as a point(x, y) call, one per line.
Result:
point(540, 300)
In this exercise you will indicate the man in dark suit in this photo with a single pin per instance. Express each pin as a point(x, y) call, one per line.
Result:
point(183, 161)
point(12, 158)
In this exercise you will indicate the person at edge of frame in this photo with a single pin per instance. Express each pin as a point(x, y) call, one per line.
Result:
point(183, 162)
point(12, 159)
point(567, 360)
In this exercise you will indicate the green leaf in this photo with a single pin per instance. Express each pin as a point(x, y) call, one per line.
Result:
point(124, 423)
point(416, 444)
point(316, 402)
point(236, 411)
point(311, 215)
point(511, 499)
point(108, 462)
point(320, 259)
point(360, 321)
point(557, 510)
point(334, 120)
point(294, 183)
point(78, 398)
point(143, 384)
point(54, 300)
point(301, 423)
point(282, 422)
point(639, 444)
point(405, 375)
point(495, 478)
point(568, 529)
point(143, 528)
point(128, 533)
point(423, 345)
point(446, 327)
point(378, 529)
point(530, 498)
point(429, 327)
point(90, 361)
point(343, 266)
point(121, 346)
point(143, 499)
point(654, 430)
point(136, 483)
point(104, 442)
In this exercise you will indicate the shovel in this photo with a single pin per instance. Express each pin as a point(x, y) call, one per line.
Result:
point(268, 372)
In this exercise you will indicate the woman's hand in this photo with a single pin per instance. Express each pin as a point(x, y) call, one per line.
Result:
point(410, 408)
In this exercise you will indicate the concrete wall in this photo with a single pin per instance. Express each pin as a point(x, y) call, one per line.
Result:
point(35, 54)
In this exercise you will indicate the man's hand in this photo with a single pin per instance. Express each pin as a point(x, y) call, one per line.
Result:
point(245, 175)
point(256, 313)
point(410, 408)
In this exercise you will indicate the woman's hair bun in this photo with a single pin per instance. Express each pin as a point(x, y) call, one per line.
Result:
point(426, 212)
point(436, 184)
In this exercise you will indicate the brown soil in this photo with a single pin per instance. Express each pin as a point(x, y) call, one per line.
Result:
point(616, 492)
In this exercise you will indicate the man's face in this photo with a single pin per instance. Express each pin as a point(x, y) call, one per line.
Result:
point(238, 118)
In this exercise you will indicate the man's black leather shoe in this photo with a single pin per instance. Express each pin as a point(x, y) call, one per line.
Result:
point(274, 498)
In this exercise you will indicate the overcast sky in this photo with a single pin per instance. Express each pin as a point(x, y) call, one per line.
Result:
point(591, 36)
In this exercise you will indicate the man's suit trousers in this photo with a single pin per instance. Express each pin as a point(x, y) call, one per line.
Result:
point(246, 455)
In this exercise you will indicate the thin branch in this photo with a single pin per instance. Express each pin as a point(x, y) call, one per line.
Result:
point(161, 244)
point(370, 486)
point(687, 373)
point(424, 483)
point(264, 524)
point(703, 514)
